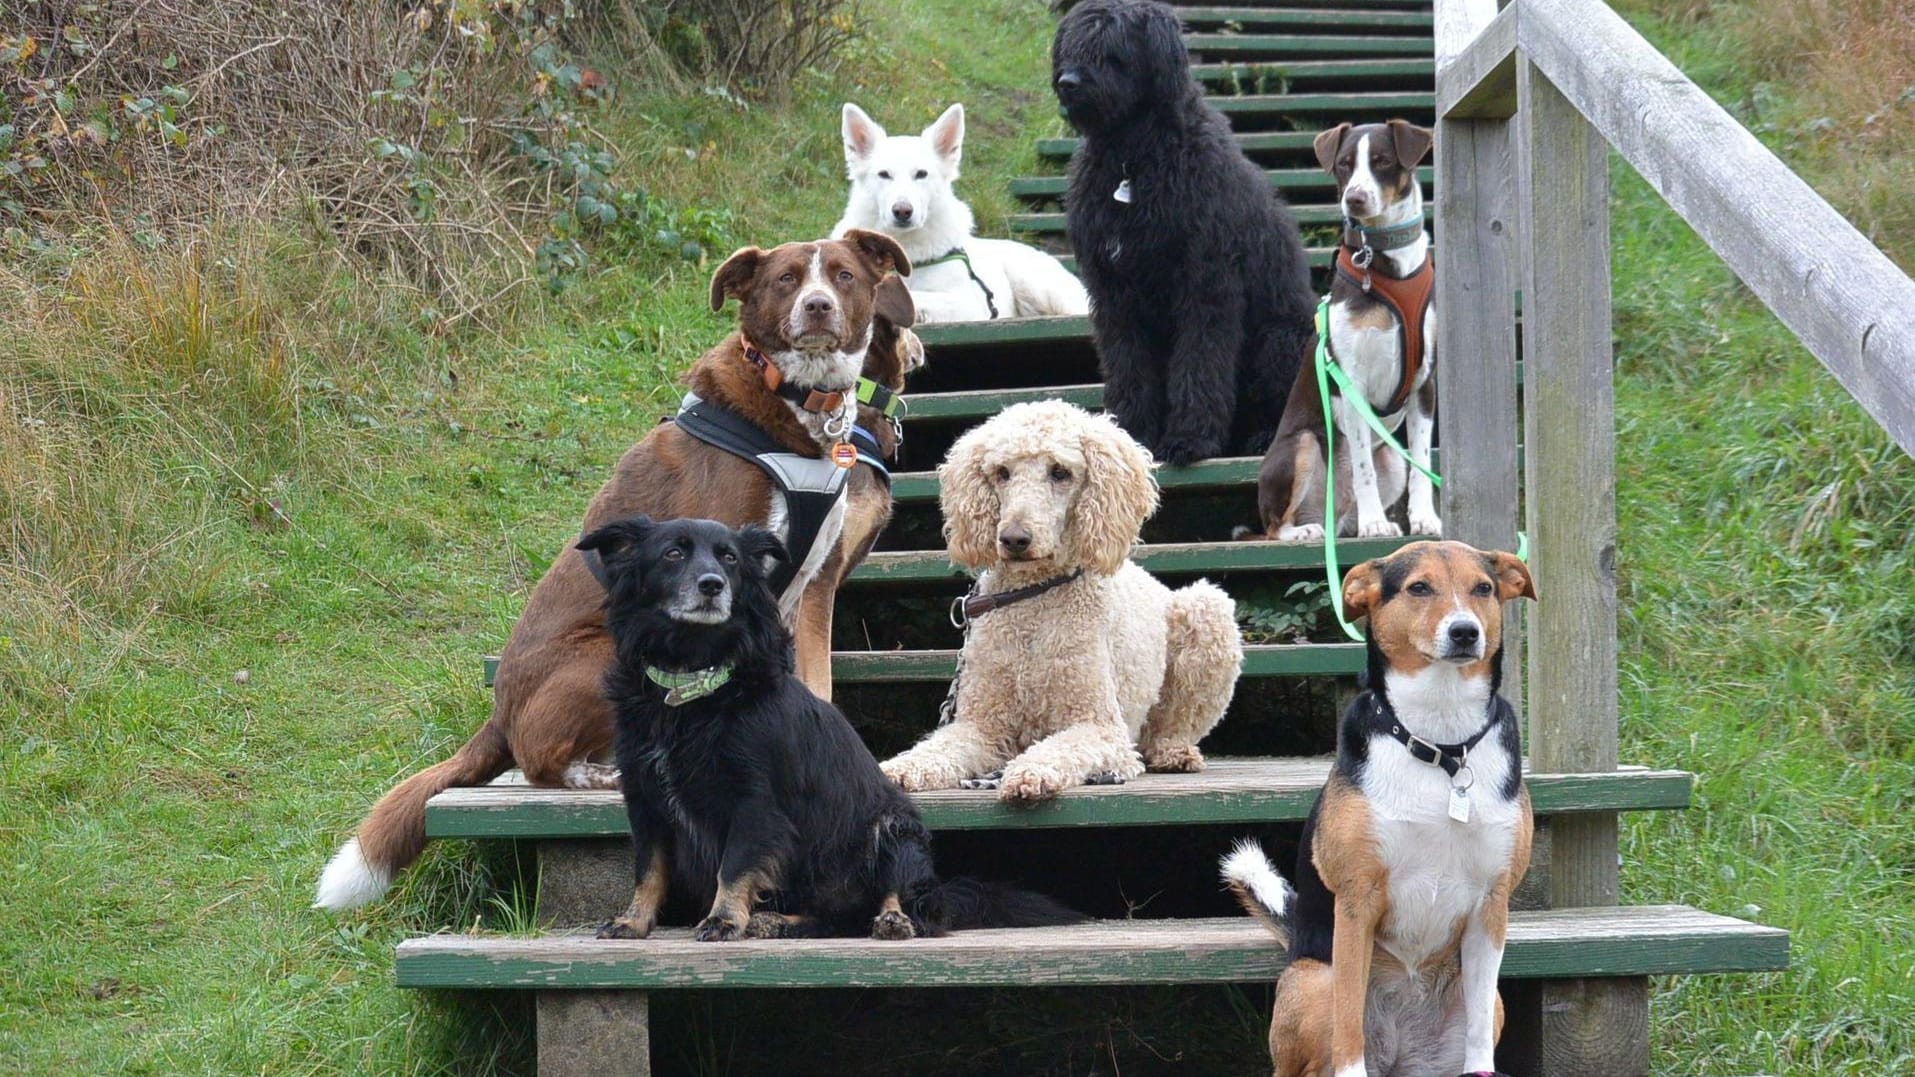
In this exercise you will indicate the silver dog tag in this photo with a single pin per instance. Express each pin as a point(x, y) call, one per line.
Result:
point(1122, 193)
point(1459, 803)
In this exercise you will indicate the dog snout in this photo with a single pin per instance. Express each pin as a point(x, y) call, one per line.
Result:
point(1359, 202)
point(711, 585)
point(1015, 539)
point(1069, 81)
point(902, 212)
point(1464, 635)
point(819, 303)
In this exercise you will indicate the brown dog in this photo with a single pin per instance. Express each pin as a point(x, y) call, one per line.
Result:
point(1396, 926)
point(812, 317)
point(1382, 334)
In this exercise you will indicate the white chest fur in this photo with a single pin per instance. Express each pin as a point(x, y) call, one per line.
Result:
point(1439, 869)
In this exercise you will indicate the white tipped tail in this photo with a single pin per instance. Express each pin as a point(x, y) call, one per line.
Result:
point(1263, 892)
point(350, 881)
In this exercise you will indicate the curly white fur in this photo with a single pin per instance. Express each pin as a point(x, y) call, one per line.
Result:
point(1113, 673)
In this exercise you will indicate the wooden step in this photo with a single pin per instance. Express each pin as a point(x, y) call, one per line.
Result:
point(1228, 791)
point(1366, 5)
point(1291, 181)
point(1355, 72)
point(1647, 940)
point(1054, 223)
point(1306, 45)
point(1219, 473)
point(1318, 257)
point(1271, 19)
point(1163, 559)
point(1259, 660)
point(978, 404)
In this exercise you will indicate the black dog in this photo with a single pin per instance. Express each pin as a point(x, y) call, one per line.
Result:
point(742, 787)
point(1200, 289)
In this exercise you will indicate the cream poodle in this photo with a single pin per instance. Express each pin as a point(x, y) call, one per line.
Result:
point(1106, 674)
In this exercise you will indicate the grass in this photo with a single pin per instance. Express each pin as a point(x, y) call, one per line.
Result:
point(252, 456)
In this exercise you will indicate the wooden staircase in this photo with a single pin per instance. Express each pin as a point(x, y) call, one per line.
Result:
point(1280, 72)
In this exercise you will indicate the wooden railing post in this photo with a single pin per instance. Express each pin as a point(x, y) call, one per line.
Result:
point(1589, 1026)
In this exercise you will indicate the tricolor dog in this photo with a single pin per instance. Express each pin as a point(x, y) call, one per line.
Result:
point(1383, 334)
point(1395, 927)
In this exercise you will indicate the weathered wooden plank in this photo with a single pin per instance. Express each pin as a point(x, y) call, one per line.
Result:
point(1309, 70)
point(1004, 331)
point(594, 1034)
point(1252, 142)
point(1640, 941)
point(1393, 103)
point(1168, 558)
point(1264, 19)
point(984, 403)
point(1228, 791)
point(1056, 223)
point(1305, 45)
point(1478, 80)
point(1222, 472)
point(1839, 294)
point(1259, 660)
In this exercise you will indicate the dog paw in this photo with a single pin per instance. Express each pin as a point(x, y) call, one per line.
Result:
point(1106, 777)
point(766, 925)
point(1173, 758)
point(983, 781)
point(1031, 784)
point(1425, 524)
point(622, 928)
point(915, 777)
point(717, 929)
point(1178, 451)
point(1380, 528)
point(590, 776)
point(892, 926)
point(1300, 533)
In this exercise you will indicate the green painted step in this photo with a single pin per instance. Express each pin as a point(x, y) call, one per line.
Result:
point(1275, 45)
point(1170, 558)
point(1219, 473)
point(1646, 940)
point(1343, 105)
point(984, 403)
point(1355, 71)
point(1227, 791)
point(1290, 18)
point(1288, 180)
point(1318, 257)
point(1259, 660)
point(1054, 223)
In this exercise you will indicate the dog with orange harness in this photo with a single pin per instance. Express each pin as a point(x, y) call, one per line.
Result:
point(1382, 333)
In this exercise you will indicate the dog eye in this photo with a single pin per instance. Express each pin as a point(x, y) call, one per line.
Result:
point(674, 554)
point(728, 557)
point(1483, 590)
point(844, 276)
point(1004, 474)
point(921, 173)
point(787, 278)
point(1420, 589)
point(884, 174)
point(1060, 473)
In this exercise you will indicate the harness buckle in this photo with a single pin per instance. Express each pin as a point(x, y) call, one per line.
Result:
point(1424, 751)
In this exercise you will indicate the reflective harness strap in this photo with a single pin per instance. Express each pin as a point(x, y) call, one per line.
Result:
point(958, 254)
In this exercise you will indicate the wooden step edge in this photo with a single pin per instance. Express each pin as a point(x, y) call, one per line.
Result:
point(1056, 222)
point(1356, 45)
point(1247, 791)
point(1646, 940)
point(983, 403)
point(1305, 18)
point(1166, 558)
point(1298, 70)
point(1333, 103)
point(1224, 471)
point(1284, 179)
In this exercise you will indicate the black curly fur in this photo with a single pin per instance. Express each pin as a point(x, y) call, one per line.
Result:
point(1201, 303)
point(762, 775)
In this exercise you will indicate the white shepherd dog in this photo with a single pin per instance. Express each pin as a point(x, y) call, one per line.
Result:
point(901, 186)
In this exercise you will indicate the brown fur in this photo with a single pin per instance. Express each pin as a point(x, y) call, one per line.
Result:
point(549, 708)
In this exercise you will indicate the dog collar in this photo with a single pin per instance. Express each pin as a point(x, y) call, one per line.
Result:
point(1387, 237)
point(1451, 757)
point(682, 688)
point(882, 397)
point(812, 400)
point(976, 604)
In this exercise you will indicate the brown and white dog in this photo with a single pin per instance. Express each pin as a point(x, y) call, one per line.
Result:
point(1395, 928)
point(1383, 335)
point(812, 317)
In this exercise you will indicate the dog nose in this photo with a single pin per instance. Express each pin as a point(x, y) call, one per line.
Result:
point(1069, 79)
point(1015, 540)
point(819, 303)
point(901, 212)
point(1465, 634)
point(711, 584)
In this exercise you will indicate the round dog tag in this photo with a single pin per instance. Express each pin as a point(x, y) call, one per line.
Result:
point(844, 454)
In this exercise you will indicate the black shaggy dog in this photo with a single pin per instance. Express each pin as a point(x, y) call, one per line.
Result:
point(1200, 289)
point(744, 789)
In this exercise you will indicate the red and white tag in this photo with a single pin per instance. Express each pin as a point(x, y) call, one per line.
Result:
point(844, 454)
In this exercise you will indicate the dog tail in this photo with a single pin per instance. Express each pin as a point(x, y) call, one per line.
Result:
point(1040, 284)
point(961, 903)
point(394, 834)
point(1260, 890)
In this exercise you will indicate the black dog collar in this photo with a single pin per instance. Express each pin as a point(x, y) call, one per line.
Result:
point(1451, 757)
point(973, 605)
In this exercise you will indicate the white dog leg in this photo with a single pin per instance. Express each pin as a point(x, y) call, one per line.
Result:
point(1482, 959)
point(1064, 759)
point(1355, 435)
point(949, 755)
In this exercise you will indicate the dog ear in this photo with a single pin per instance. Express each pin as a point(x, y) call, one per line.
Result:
point(894, 303)
point(1119, 494)
point(1512, 577)
point(1327, 144)
point(1362, 587)
point(762, 544)
point(946, 136)
point(1412, 142)
point(1163, 44)
point(861, 134)
point(880, 251)
point(616, 537)
point(734, 277)
point(969, 502)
